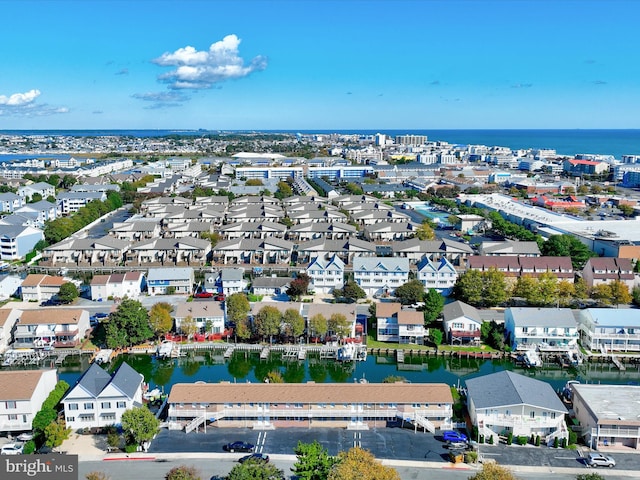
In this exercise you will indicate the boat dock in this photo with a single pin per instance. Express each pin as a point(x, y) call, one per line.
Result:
point(103, 356)
point(264, 354)
point(228, 352)
point(400, 356)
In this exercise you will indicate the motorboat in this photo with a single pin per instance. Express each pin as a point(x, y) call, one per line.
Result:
point(532, 359)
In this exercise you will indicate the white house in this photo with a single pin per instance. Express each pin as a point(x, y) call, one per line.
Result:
point(380, 275)
point(39, 287)
point(117, 285)
point(22, 393)
point(393, 324)
point(610, 329)
point(530, 327)
point(232, 280)
point(99, 399)
point(271, 285)
point(56, 327)
point(508, 402)
point(326, 275)
point(8, 319)
point(440, 275)
point(16, 241)
point(161, 281)
point(204, 313)
point(41, 188)
point(461, 322)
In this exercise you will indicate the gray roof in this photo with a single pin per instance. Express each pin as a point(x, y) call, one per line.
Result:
point(94, 379)
point(175, 273)
point(503, 389)
point(270, 282)
point(231, 274)
point(542, 317)
point(127, 380)
point(459, 309)
point(372, 264)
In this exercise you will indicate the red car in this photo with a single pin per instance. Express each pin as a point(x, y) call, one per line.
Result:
point(203, 295)
point(219, 297)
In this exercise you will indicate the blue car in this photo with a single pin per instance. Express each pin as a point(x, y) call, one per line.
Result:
point(452, 436)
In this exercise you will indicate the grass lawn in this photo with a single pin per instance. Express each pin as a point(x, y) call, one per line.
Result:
point(373, 343)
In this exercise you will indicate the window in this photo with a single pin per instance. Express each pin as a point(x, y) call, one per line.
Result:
point(10, 404)
point(105, 405)
point(71, 419)
point(13, 417)
point(121, 405)
point(532, 414)
point(88, 406)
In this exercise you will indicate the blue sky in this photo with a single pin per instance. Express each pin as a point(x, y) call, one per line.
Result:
point(329, 64)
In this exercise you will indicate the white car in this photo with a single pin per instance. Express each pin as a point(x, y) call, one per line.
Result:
point(598, 460)
point(25, 437)
point(11, 449)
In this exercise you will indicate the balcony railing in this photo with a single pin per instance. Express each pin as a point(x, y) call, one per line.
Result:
point(616, 432)
point(465, 333)
point(510, 421)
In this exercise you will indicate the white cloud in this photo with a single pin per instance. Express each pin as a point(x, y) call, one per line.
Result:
point(203, 69)
point(24, 104)
point(162, 99)
point(19, 99)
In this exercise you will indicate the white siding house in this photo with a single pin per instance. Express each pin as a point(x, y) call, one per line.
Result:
point(380, 275)
point(22, 393)
point(440, 275)
point(326, 275)
point(530, 327)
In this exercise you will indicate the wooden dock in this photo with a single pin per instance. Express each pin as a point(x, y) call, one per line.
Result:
point(618, 363)
point(228, 352)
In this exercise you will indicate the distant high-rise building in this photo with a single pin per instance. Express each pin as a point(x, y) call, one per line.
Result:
point(411, 139)
point(381, 139)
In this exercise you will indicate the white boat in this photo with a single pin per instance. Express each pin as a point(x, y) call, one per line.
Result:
point(532, 359)
point(152, 395)
point(165, 349)
point(346, 353)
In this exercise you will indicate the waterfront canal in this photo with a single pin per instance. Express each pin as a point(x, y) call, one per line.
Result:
point(211, 366)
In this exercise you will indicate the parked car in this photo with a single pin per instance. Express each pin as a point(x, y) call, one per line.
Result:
point(219, 297)
point(457, 445)
point(453, 436)
point(255, 457)
point(11, 449)
point(101, 315)
point(203, 295)
point(239, 447)
point(598, 460)
point(25, 437)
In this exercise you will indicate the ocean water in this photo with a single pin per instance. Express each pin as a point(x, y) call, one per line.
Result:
point(565, 142)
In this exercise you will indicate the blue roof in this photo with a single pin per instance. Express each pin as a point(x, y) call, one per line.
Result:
point(614, 317)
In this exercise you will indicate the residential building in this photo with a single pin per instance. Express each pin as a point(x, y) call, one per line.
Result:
point(22, 393)
point(8, 319)
point(326, 274)
point(608, 415)
point(40, 287)
point(164, 281)
point(271, 286)
point(514, 267)
point(169, 251)
point(43, 189)
point(118, 285)
point(440, 275)
point(510, 248)
point(17, 241)
point(10, 202)
point(106, 251)
point(346, 310)
point(98, 399)
point(544, 328)
point(603, 270)
point(393, 324)
point(208, 316)
point(51, 327)
point(232, 280)
point(508, 402)
point(427, 406)
point(380, 275)
point(71, 202)
point(578, 167)
point(462, 323)
point(609, 329)
point(253, 251)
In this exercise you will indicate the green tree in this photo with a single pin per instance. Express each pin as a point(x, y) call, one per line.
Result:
point(254, 182)
point(56, 433)
point(188, 326)
point(318, 325)
point(237, 307)
point(353, 291)
point(68, 292)
point(284, 190)
point(589, 476)
point(410, 292)
point(493, 471)
point(339, 325)
point(128, 325)
point(313, 461)
point(254, 470)
point(48, 413)
point(433, 305)
point(619, 293)
point(293, 323)
point(494, 288)
point(274, 376)
point(268, 321)
point(627, 210)
point(468, 287)
point(436, 336)
point(568, 246)
point(425, 231)
point(357, 463)
point(160, 318)
point(183, 472)
point(139, 425)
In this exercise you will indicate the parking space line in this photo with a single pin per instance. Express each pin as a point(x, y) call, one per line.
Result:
point(357, 439)
point(262, 438)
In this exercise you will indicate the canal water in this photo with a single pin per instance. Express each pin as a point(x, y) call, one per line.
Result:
point(211, 367)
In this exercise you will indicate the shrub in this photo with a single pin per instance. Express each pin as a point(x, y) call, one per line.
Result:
point(522, 440)
point(573, 437)
point(481, 438)
point(29, 447)
point(537, 440)
point(131, 448)
point(490, 441)
point(532, 440)
point(471, 457)
point(555, 442)
point(509, 438)
point(564, 443)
